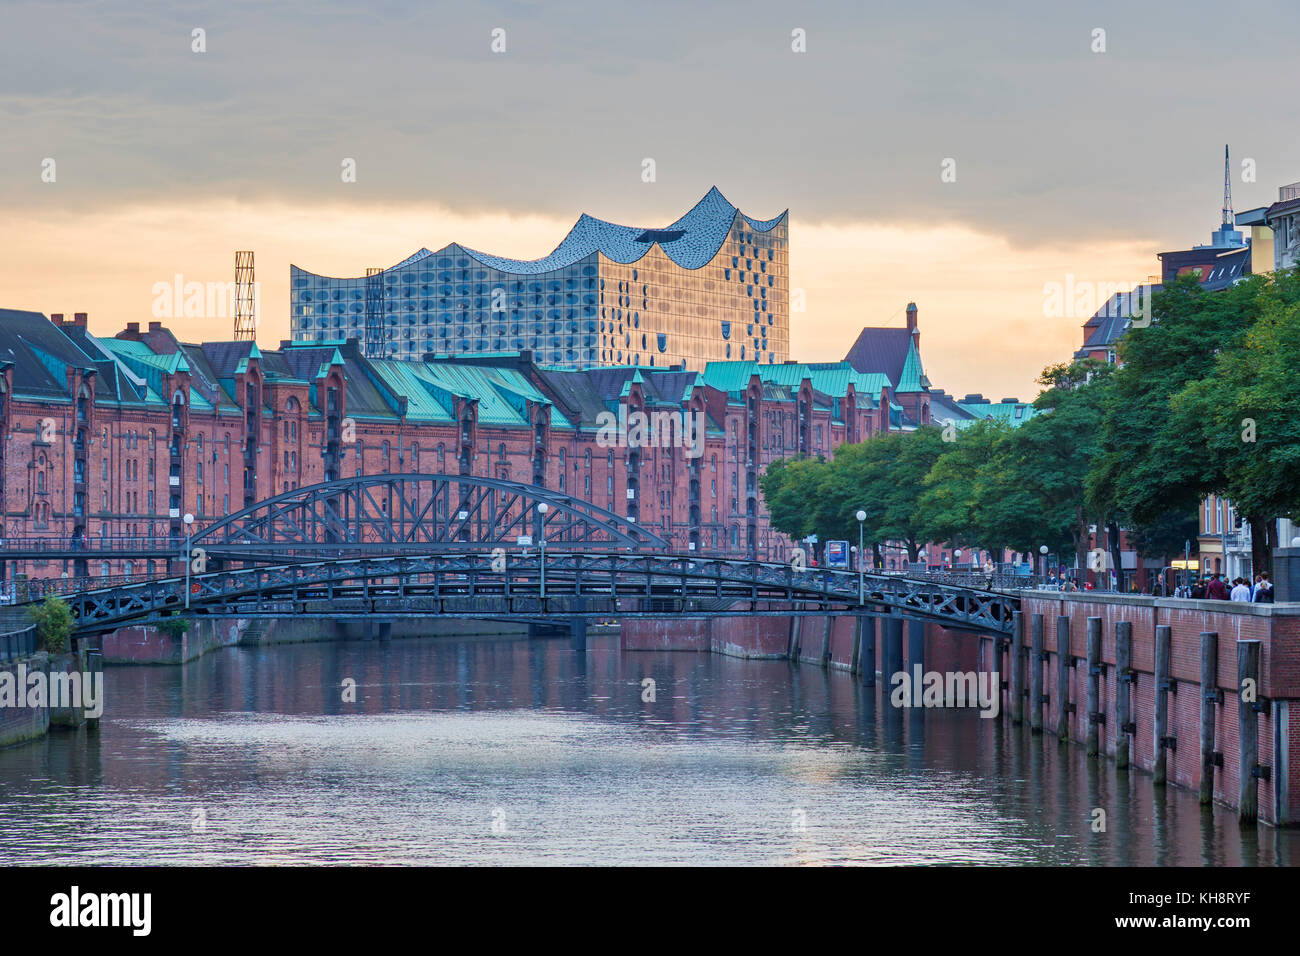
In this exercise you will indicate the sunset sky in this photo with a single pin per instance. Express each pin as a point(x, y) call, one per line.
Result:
point(1068, 162)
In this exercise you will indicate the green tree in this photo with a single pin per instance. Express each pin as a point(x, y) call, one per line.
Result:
point(54, 624)
point(1243, 412)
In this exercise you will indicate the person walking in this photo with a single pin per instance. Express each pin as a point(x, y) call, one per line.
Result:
point(1264, 593)
point(1216, 590)
point(1241, 591)
point(1198, 590)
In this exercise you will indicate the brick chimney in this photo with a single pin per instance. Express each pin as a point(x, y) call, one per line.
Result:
point(56, 318)
point(131, 332)
point(79, 319)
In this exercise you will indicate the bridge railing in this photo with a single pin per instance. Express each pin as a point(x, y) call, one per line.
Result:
point(15, 645)
point(93, 543)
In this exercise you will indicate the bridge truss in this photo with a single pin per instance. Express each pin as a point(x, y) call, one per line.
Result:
point(523, 585)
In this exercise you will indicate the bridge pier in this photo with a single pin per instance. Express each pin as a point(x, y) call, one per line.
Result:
point(916, 646)
point(892, 649)
point(578, 626)
point(867, 650)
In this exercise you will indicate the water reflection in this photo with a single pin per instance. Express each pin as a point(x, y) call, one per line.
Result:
point(733, 762)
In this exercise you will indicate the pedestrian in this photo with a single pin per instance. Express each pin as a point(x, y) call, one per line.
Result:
point(1264, 593)
point(1241, 591)
point(1198, 590)
point(1216, 590)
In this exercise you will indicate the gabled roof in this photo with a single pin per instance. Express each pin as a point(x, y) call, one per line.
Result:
point(889, 352)
point(41, 353)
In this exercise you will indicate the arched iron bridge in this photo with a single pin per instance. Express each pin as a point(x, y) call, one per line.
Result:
point(374, 515)
point(525, 585)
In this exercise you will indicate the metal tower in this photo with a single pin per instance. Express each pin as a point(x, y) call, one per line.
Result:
point(245, 316)
point(1228, 219)
point(376, 332)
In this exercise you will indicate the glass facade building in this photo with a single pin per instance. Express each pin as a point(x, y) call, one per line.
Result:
point(710, 287)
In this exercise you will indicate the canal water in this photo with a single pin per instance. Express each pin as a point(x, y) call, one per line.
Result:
point(493, 751)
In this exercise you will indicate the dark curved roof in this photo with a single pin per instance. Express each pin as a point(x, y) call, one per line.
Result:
point(691, 242)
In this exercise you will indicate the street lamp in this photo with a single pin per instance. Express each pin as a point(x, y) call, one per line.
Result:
point(956, 558)
point(1042, 549)
point(189, 526)
point(862, 582)
point(541, 542)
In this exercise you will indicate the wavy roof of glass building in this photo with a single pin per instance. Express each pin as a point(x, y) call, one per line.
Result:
point(691, 242)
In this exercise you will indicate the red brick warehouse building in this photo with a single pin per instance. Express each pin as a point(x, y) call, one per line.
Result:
point(120, 437)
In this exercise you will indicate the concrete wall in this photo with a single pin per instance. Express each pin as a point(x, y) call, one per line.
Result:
point(20, 724)
point(148, 645)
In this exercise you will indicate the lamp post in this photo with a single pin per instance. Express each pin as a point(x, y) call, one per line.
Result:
point(189, 526)
point(541, 542)
point(925, 562)
point(862, 583)
point(1042, 549)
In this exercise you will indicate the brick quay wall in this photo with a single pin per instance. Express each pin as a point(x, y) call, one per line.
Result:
point(1202, 725)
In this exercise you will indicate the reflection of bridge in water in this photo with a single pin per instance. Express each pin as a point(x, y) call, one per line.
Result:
point(384, 547)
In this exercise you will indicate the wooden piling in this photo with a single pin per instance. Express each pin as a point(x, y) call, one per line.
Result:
point(826, 640)
point(1123, 691)
point(1209, 697)
point(1164, 685)
point(1017, 667)
point(1248, 653)
point(1094, 686)
point(795, 622)
point(1063, 677)
point(995, 669)
point(1036, 674)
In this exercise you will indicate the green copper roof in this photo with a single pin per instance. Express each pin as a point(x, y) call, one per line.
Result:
point(1013, 413)
point(912, 377)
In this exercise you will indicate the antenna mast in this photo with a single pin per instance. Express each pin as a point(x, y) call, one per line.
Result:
point(1227, 191)
point(245, 314)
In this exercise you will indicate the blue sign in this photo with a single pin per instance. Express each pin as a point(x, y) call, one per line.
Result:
point(837, 554)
